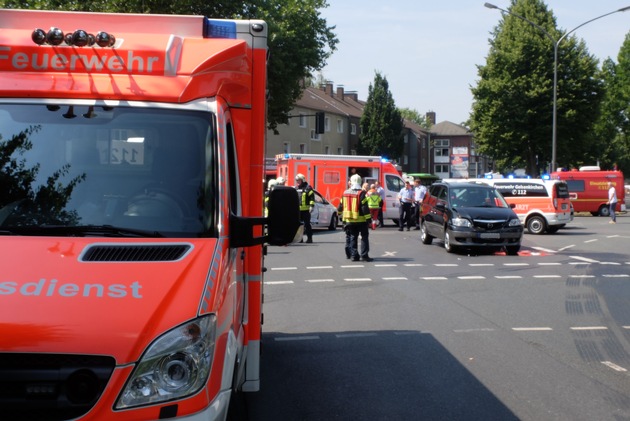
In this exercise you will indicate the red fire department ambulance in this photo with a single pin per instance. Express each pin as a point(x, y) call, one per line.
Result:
point(131, 203)
point(329, 175)
point(588, 189)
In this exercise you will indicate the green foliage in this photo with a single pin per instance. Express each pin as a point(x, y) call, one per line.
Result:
point(612, 132)
point(300, 41)
point(415, 116)
point(381, 122)
point(513, 100)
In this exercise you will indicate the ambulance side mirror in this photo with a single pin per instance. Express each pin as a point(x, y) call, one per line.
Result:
point(284, 225)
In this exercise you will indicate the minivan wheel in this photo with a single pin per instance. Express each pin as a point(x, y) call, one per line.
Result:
point(536, 225)
point(424, 235)
point(447, 243)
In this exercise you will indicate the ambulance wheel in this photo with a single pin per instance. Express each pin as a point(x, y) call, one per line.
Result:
point(333, 222)
point(536, 225)
point(604, 210)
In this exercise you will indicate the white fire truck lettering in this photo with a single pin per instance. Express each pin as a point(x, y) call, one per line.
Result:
point(53, 288)
point(61, 61)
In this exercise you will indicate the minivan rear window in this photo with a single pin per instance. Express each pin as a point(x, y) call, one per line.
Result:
point(562, 190)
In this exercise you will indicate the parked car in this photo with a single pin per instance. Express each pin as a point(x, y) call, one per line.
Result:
point(471, 215)
point(324, 214)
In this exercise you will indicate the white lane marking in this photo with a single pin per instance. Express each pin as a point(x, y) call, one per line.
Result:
point(625, 327)
point(610, 263)
point(352, 266)
point(591, 241)
point(385, 265)
point(481, 264)
point(278, 282)
point(515, 264)
point(531, 329)
point(614, 366)
point(547, 276)
point(287, 268)
point(394, 278)
point(446, 264)
point(620, 275)
point(357, 279)
point(581, 276)
point(434, 278)
point(508, 277)
point(544, 249)
point(297, 338)
point(584, 259)
point(588, 328)
point(413, 265)
point(579, 263)
point(319, 267)
point(314, 281)
point(567, 247)
point(550, 264)
point(471, 277)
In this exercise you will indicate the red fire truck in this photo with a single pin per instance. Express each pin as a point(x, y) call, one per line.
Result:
point(131, 203)
point(588, 189)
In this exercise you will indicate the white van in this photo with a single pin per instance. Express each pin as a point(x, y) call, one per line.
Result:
point(541, 205)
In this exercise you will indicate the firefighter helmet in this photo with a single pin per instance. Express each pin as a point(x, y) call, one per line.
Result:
point(300, 178)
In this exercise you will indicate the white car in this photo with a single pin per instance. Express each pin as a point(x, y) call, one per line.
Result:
point(324, 214)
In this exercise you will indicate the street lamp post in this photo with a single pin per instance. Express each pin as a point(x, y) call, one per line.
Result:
point(556, 44)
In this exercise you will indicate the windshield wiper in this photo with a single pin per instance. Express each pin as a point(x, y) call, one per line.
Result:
point(81, 231)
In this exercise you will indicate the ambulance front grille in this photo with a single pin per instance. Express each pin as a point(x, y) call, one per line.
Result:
point(51, 387)
point(135, 253)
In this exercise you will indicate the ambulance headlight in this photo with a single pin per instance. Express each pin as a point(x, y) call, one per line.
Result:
point(176, 365)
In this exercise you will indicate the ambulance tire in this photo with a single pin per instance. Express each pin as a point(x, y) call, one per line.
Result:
point(536, 225)
point(604, 210)
point(237, 410)
point(333, 223)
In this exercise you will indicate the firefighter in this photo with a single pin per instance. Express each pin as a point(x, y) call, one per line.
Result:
point(270, 185)
point(356, 215)
point(307, 203)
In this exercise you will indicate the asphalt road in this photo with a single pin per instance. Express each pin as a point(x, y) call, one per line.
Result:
point(420, 334)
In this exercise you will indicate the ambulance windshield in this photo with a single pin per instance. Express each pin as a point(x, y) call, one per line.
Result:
point(105, 171)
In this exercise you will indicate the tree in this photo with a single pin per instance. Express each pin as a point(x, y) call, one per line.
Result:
point(513, 100)
point(381, 122)
point(612, 131)
point(416, 117)
point(300, 41)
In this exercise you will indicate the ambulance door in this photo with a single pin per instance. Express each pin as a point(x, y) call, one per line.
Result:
point(392, 184)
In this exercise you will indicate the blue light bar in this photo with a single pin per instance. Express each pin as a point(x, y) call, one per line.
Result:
point(384, 160)
point(214, 28)
point(545, 177)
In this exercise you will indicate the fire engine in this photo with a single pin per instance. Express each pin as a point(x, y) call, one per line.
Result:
point(329, 175)
point(131, 214)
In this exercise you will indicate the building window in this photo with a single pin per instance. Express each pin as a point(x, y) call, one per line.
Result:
point(327, 150)
point(286, 147)
point(326, 124)
point(302, 120)
point(441, 142)
point(302, 147)
point(340, 151)
point(441, 168)
point(353, 128)
point(441, 152)
point(339, 126)
point(314, 136)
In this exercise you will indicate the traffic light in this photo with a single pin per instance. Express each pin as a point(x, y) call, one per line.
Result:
point(319, 122)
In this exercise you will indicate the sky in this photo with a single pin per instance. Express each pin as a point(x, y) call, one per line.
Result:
point(429, 50)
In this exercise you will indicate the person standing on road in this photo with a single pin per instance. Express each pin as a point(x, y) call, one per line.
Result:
point(355, 213)
point(419, 191)
point(374, 204)
point(406, 197)
point(307, 203)
point(612, 202)
point(381, 192)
